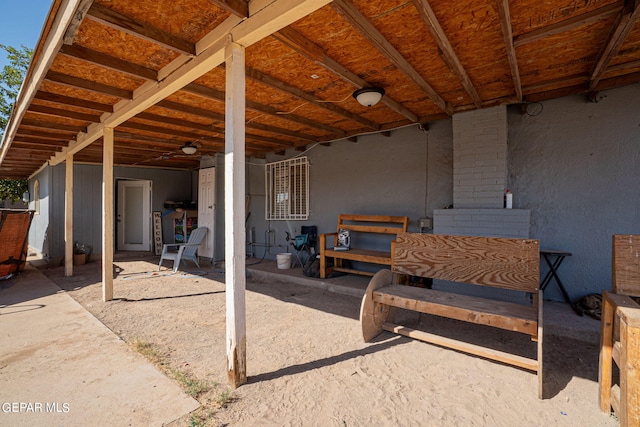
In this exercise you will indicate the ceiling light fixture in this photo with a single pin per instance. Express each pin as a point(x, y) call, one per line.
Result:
point(369, 96)
point(188, 148)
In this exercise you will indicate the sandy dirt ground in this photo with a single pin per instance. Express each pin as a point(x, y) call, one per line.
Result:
point(308, 366)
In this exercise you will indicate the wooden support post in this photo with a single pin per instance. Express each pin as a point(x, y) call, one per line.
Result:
point(68, 217)
point(234, 194)
point(107, 215)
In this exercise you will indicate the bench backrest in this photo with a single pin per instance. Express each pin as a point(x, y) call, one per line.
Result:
point(626, 264)
point(491, 261)
point(373, 223)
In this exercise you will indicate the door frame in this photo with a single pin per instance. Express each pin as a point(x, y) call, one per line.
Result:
point(121, 244)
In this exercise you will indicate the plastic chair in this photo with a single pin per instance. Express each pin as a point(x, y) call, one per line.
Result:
point(186, 251)
point(305, 242)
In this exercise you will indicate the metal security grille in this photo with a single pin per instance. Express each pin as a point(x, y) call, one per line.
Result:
point(287, 189)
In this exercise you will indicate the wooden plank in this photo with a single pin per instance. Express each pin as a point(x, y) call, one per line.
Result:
point(624, 24)
point(107, 215)
point(499, 314)
point(77, 82)
point(447, 52)
point(500, 356)
point(364, 255)
point(237, 7)
point(626, 264)
point(372, 218)
point(629, 413)
point(234, 195)
point(68, 217)
point(490, 261)
point(370, 228)
point(109, 62)
point(507, 34)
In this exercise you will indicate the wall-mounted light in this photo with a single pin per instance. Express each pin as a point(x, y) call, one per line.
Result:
point(189, 148)
point(369, 96)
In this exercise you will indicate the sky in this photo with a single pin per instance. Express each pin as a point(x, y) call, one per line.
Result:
point(21, 22)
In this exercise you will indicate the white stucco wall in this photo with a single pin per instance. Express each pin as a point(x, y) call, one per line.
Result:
point(576, 166)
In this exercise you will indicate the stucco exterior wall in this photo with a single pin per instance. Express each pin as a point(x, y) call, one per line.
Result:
point(409, 173)
point(576, 166)
point(47, 230)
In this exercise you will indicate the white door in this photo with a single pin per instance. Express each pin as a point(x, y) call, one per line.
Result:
point(134, 216)
point(206, 210)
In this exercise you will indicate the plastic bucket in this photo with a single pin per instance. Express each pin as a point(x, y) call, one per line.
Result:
point(284, 260)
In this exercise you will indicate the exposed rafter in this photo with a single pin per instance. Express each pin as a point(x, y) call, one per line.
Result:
point(307, 97)
point(624, 25)
point(110, 62)
point(307, 48)
point(121, 22)
point(239, 8)
point(507, 35)
point(448, 53)
point(568, 24)
point(371, 33)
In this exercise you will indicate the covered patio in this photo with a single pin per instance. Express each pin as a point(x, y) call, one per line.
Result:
point(325, 377)
point(131, 83)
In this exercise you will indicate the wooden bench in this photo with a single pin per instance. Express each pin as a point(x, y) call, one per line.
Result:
point(488, 261)
point(359, 224)
point(620, 337)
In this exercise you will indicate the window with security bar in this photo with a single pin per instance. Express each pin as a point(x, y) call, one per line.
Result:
point(287, 189)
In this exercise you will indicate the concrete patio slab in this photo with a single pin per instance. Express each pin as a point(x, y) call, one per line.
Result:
point(60, 366)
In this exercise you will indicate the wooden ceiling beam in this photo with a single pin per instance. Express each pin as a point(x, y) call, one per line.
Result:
point(507, 36)
point(281, 86)
point(58, 112)
point(253, 106)
point(310, 50)
point(40, 142)
point(370, 32)
point(155, 129)
point(76, 82)
point(207, 92)
point(448, 53)
point(51, 125)
point(240, 8)
point(568, 24)
point(118, 21)
point(44, 134)
point(624, 24)
point(49, 147)
point(207, 128)
point(110, 62)
point(76, 102)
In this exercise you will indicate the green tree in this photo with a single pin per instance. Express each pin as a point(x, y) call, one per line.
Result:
point(11, 78)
